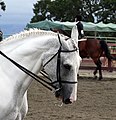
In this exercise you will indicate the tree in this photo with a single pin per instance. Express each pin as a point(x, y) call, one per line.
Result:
point(59, 9)
point(107, 11)
point(40, 9)
point(66, 10)
point(3, 6)
point(99, 10)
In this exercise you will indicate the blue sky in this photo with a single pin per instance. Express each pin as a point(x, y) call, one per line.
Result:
point(17, 14)
point(17, 11)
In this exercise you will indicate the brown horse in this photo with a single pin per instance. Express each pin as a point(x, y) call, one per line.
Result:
point(94, 49)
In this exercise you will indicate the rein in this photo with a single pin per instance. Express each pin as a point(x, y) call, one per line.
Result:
point(28, 72)
point(45, 83)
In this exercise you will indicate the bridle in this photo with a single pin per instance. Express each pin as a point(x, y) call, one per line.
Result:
point(59, 80)
point(45, 83)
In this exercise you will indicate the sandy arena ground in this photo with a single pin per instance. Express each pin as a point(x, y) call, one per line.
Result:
point(96, 100)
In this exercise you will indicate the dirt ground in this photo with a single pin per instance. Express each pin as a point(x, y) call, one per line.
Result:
point(96, 101)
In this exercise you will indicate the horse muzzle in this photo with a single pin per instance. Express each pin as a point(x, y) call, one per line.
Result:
point(58, 94)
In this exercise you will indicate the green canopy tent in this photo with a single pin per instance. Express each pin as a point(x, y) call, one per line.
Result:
point(88, 26)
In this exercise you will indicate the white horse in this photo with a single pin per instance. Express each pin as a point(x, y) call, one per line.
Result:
point(35, 50)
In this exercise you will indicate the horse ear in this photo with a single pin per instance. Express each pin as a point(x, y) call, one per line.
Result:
point(74, 35)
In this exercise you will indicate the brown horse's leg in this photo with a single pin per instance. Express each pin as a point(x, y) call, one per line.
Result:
point(95, 72)
point(98, 64)
point(99, 68)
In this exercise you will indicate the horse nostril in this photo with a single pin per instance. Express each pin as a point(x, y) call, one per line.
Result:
point(67, 101)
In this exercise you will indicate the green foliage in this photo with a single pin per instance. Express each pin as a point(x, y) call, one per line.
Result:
point(66, 10)
point(40, 6)
point(107, 11)
point(3, 6)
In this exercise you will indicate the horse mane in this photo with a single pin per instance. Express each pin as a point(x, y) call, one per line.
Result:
point(26, 33)
point(30, 33)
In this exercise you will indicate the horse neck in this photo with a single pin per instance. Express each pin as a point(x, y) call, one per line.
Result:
point(29, 49)
point(28, 53)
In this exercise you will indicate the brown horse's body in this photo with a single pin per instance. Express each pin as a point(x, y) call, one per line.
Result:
point(94, 49)
point(86, 48)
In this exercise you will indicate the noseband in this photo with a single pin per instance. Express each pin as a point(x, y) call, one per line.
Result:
point(41, 80)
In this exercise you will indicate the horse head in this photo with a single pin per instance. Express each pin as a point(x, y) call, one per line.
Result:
point(62, 68)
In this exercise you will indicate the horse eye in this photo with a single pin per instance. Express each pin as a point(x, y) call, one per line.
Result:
point(67, 66)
